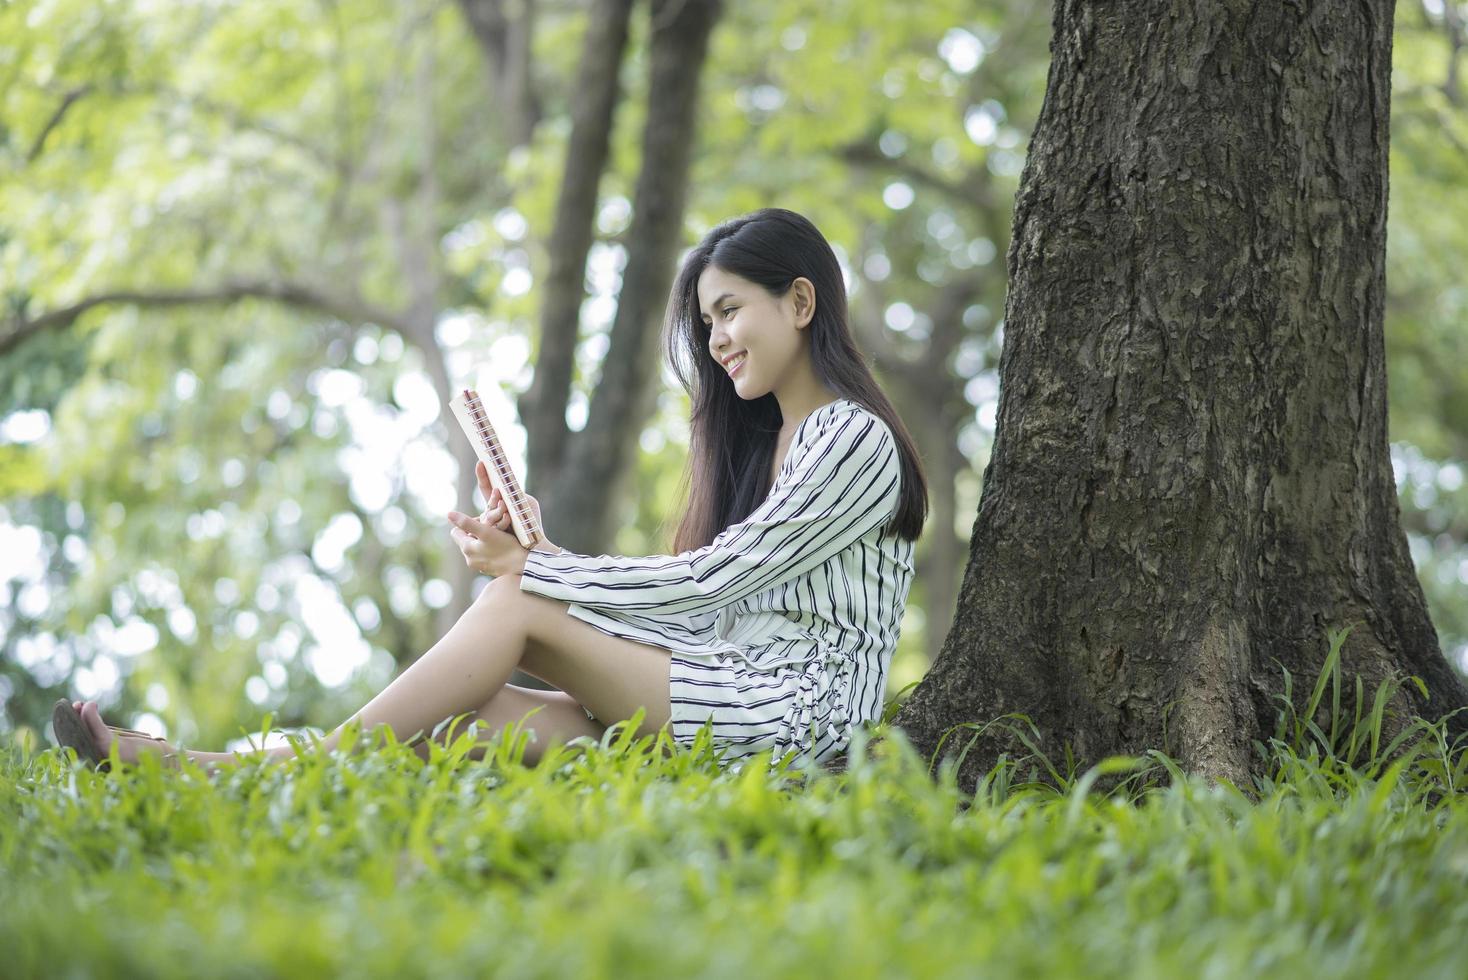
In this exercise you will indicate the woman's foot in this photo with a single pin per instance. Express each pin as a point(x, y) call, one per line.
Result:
point(130, 746)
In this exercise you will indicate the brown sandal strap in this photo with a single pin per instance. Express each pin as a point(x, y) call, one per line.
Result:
point(135, 732)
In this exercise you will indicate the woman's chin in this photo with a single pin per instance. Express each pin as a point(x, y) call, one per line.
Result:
point(742, 387)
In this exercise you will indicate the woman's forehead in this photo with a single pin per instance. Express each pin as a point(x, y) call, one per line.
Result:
point(714, 282)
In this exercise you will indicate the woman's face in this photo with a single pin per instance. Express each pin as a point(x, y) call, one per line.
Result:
point(769, 332)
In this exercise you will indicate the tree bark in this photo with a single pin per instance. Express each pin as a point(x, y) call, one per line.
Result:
point(1190, 483)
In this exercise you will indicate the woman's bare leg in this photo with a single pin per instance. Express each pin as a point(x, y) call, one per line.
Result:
point(471, 664)
point(549, 718)
point(556, 719)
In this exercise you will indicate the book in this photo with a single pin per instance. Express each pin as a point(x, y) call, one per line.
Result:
point(474, 420)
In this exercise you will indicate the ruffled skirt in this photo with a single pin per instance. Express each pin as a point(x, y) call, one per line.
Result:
point(800, 706)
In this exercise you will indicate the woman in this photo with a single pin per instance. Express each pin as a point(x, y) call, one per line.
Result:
point(776, 619)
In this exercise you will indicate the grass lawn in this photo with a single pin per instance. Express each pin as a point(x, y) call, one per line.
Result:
point(615, 859)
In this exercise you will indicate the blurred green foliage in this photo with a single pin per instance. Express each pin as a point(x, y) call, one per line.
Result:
point(192, 480)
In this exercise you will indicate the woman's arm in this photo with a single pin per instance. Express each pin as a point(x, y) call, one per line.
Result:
point(845, 483)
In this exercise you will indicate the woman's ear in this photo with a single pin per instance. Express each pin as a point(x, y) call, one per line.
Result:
point(804, 293)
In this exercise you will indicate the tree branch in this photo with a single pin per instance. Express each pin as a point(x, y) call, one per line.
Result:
point(238, 118)
point(346, 307)
point(970, 189)
point(67, 101)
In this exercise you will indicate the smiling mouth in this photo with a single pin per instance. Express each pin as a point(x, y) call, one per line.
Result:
point(736, 364)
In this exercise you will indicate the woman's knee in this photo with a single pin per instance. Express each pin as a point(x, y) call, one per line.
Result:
point(502, 608)
point(499, 589)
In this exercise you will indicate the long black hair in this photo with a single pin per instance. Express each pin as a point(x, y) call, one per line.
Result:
point(731, 440)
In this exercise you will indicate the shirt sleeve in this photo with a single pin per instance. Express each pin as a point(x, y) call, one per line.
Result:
point(845, 483)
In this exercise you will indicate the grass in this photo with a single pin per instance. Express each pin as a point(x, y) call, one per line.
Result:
point(618, 859)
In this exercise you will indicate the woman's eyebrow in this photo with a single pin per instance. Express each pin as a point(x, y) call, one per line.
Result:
point(716, 302)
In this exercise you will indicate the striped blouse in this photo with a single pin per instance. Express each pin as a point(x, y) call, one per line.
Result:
point(810, 573)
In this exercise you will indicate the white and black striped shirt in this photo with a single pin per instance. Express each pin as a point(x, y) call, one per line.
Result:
point(809, 572)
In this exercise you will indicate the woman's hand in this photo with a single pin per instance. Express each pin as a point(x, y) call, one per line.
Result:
point(496, 511)
point(488, 542)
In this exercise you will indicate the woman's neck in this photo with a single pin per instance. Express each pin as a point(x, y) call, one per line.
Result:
point(795, 409)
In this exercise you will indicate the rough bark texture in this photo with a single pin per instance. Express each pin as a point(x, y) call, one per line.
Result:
point(1190, 478)
point(602, 457)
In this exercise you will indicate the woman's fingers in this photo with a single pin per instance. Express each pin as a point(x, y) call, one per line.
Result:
point(496, 515)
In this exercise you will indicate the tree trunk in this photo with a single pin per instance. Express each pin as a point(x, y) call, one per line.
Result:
point(505, 32)
point(1190, 478)
point(936, 412)
point(594, 103)
point(598, 469)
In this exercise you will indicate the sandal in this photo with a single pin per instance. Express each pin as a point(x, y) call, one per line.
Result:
point(71, 731)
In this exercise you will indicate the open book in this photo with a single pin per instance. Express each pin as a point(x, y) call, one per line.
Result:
point(469, 410)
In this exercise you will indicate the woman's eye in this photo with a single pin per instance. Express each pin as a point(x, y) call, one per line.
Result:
point(726, 311)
